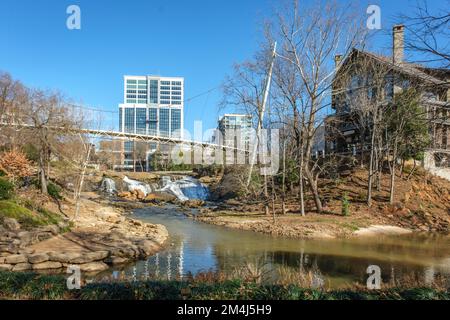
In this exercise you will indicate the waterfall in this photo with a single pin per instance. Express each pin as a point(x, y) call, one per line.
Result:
point(108, 185)
point(187, 188)
point(137, 185)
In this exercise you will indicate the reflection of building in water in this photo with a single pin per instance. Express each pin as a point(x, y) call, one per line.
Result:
point(157, 265)
point(169, 258)
point(181, 260)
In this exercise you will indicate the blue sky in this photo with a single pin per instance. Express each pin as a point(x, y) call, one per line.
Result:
point(196, 39)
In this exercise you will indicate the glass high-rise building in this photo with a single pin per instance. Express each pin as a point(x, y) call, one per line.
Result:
point(152, 105)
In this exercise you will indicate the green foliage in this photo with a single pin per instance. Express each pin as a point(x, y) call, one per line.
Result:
point(54, 191)
point(6, 189)
point(211, 170)
point(25, 216)
point(178, 167)
point(345, 205)
point(407, 120)
point(29, 285)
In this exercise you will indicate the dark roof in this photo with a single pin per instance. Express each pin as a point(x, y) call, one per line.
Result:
point(432, 75)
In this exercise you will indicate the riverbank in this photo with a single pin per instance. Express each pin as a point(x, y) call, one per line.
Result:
point(421, 205)
point(99, 237)
point(32, 286)
point(312, 226)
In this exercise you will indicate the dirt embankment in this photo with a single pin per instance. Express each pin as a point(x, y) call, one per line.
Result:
point(422, 205)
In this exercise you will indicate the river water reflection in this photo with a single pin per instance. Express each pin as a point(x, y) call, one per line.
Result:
point(195, 247)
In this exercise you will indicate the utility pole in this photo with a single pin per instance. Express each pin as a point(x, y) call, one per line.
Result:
point(261, 115)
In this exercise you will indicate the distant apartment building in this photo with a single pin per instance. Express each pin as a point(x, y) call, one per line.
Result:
point(153, 105)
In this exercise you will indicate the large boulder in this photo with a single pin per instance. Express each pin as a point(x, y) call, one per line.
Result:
point(156, 197)
point(16, 258)
point(22, 267)
point(38, 258)
point(63, 257)
point(93, 266)
point(53, 229)
point(147, 247)
point(194, 203)
point(139, 194)
point(47, 265)
point(11, 224)
point(90, 257)
point(116, 260)
point(5, 267)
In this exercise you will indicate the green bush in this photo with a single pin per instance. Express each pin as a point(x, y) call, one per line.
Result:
point(54, 191)
point(6, 189)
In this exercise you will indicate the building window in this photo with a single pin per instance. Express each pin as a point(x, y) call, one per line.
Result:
point(165, 101)
point(131, 81)
point(165, 87)
point(175, 116)
point(164, 122)
point(177, 103)
point(141, 120)
point(165, 83)
point(128, 146)
point(153, 91)
point(129, 120)
point(152, 121)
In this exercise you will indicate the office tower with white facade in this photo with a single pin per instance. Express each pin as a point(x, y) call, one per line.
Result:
point(236, 130)
point(152, 105)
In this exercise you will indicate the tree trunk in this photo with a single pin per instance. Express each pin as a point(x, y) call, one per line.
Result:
point(314, 189)
point(412, 170)
point(283, 183)
point(392, 186)
point(80, 186)
point(42, 172)
point(302, 196)
point(391, 196)
point(370, 177)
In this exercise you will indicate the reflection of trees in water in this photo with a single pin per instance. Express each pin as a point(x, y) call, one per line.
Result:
point(273, 265)
point(325, 266)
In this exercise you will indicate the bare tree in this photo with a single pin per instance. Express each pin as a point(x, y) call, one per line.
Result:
point(429, 33)
point(49, 115)
point(310, 37)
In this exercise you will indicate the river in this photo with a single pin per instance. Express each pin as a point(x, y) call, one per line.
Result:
point(195, 247)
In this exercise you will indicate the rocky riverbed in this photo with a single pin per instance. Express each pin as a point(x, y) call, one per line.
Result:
point(101, 236)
